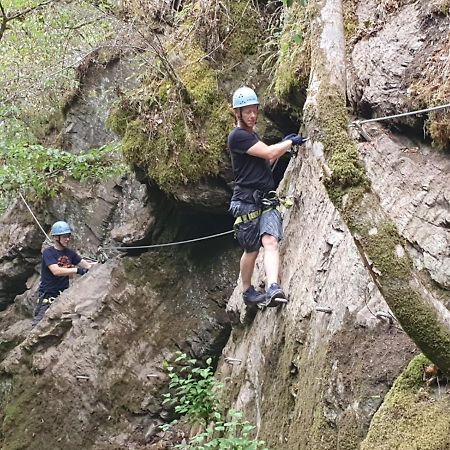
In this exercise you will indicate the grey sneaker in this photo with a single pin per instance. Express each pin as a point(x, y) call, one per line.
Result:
point(275, 295)
point(251, 296)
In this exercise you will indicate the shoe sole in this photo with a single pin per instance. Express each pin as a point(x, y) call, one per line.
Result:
point(273, 302)
point(277, 301)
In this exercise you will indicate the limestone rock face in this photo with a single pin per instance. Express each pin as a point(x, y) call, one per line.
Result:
point(332, 352)
point(395, 44)
point(309, 375)
point(105, 77)
point(20, 243)
point(413, 183)
point(93, 368)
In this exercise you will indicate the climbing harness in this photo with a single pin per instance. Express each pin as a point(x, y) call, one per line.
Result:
point(268, 202)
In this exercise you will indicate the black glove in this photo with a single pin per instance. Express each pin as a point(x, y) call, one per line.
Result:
point(82, 271)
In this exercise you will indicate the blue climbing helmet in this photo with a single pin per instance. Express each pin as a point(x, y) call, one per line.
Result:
point(244, 96)
point(59, 228)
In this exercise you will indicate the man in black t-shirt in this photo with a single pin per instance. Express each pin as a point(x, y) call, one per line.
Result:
point(256, 225)
point(59, 263)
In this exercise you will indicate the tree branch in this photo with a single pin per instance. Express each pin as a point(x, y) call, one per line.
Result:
point(4, 21)
point(5, 18)
point(28, 10)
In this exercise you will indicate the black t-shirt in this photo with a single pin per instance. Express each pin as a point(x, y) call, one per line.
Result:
point(51, 284)
point(250, 172)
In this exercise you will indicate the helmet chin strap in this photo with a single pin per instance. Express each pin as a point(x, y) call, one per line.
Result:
point(58, 240)
point(241, 120)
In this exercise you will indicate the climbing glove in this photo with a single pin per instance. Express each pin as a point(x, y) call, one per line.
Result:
point(296, 139)
point(82, 271)
point(289, 136)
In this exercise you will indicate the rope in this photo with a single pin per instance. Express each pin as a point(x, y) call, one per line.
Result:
point(203, 238)
point(420, 111)
point(35, 218)
point(140, 247)
point(134, 247)
point(48, 240)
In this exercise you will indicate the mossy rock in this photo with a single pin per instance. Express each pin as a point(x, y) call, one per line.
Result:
point(411, 417)
point(293, 64)
point(175, 127)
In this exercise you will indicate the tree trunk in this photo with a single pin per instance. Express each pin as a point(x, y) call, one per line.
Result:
point(424, 318)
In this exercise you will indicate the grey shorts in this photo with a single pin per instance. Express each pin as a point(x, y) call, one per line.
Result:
point(249, 234)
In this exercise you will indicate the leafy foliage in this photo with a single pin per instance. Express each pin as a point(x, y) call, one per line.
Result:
point(40, 52)
point(192, 394)
point(236, 435)
point(195, 394)
point(41, 172)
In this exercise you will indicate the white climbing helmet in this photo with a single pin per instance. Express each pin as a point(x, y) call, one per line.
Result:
point(244, 96)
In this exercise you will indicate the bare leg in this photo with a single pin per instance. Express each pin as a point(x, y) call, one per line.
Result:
point(247, 265)
point(271, 258)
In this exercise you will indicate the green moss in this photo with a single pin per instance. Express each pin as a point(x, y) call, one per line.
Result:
point(410, 415)
point(174, 126)
point(293, 65)
point(19, 433)
point(432, 89)
point(381, 246)
point(243, 39)
point(350, 432)
point(300, 394)
point(177, 136)
point(118, 119)
point(392, 269)
point(350, 17)
point(338, 146)
point(323, 433)
point(442, 7)
point(420, 321)
point(438, 126)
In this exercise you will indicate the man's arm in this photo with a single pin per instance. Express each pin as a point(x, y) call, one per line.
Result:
point(85, 264)
point(270, 152)
point(62, 271)
point(59, 271)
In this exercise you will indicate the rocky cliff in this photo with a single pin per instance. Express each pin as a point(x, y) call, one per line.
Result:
point(333, 369)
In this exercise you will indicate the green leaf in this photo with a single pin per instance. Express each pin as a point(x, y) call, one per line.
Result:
point(297, 38)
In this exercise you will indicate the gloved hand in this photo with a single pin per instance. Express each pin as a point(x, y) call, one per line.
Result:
point(296, 139)
point(289, 136)
point(82, 271)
